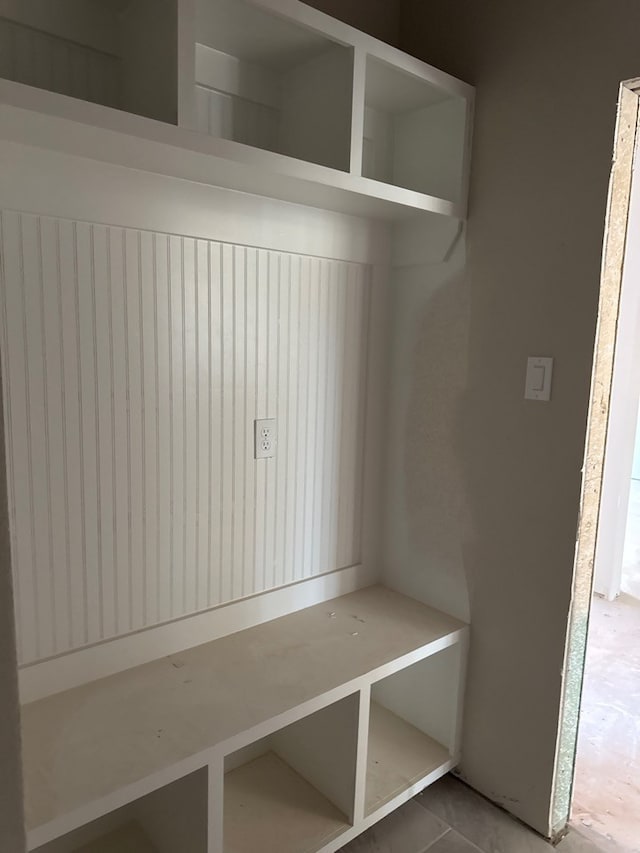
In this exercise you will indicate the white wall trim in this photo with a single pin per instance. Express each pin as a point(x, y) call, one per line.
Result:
point(98, 661)
point(49, 183)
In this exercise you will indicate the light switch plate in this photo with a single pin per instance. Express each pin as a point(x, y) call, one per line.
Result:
point(538, 383)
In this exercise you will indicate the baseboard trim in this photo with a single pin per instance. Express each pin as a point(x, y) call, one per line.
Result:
point(98, 661)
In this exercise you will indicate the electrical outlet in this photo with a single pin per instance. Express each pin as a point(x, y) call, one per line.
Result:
point(265, 438)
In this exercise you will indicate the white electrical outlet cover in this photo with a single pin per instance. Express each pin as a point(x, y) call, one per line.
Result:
point(265, 438)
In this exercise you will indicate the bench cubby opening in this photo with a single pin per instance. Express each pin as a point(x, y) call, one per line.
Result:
point(413, 726)
point(171, 818)
point(294, 790)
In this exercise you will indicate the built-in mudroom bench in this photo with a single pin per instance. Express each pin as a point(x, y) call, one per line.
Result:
point(219, 220)
point(290, 736)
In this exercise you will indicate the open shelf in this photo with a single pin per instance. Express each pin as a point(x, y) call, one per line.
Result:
point(117, 53)
point(174, 817)
point(414, 132)
point(270, 807)
point(413, 726)
point(266, 82)
point(398, 756)
point(293, 791)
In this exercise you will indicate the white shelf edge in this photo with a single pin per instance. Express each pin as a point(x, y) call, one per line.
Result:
point(48, 120)
point(323, 700)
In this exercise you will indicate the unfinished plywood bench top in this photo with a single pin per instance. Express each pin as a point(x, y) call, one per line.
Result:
point(82, 746)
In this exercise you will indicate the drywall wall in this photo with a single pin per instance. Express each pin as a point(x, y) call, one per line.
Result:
point(11, 808)
point(379, 18)
point(547, 77)
point(425, 494)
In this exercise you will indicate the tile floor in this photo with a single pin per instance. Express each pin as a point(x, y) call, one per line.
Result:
point(451, 818)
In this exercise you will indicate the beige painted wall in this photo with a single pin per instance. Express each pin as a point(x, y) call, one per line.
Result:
point(547, 75)
point(379, 18)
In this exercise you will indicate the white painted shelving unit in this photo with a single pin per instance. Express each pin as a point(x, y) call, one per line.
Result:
point(309, 728)
point(295, 734)
point(282, 100)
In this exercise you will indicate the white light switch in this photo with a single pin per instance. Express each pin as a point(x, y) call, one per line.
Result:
point(538, 384)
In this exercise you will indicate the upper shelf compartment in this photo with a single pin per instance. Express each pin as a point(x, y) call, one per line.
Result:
point(270, 97)
point(270, 83)
point(284, 78)
point(414, 133)
point(117, 53)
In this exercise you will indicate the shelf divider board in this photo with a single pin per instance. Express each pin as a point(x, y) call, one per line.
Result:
point(271, 808)
point(357, 109)
point(322, 748)
point(216, 803)
point(399, 755)
point(361, 762)
point(186, 64)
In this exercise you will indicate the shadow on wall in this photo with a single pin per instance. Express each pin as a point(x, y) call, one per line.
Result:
point(427, 506)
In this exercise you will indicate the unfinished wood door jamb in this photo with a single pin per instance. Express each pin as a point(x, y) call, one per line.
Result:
point(615, 241)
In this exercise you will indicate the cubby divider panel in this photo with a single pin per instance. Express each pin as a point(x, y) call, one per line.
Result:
point(294, 790)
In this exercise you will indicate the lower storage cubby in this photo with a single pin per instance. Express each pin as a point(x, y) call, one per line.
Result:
point(293, 792)
point(171, 819)
point(413, 723)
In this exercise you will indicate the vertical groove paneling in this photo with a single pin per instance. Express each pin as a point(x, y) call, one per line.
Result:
point(135, 407)
point(164, 429)
point(39, 59)
point(227, 403)
point(215, 348)
point(121, 450)
point(134, 366)
point(271, 263)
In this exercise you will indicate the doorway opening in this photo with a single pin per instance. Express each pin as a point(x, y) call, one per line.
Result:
point(597, 778)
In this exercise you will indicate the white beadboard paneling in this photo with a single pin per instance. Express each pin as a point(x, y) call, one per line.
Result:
point(135, 364)
point(39, 59)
